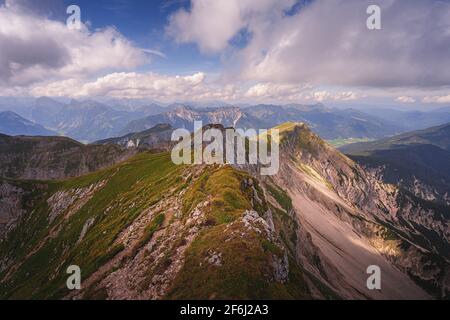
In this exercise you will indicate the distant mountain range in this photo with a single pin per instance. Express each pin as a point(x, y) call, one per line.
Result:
point(85, 121)
point(418, 161)
point(409, 120)
point(184, 117)
point(13, 124)
point(438, 136)
point(328, 123)
point(90, 120)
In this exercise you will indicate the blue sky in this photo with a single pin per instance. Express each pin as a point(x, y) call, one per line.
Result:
point(265, 51)
point(144, 22)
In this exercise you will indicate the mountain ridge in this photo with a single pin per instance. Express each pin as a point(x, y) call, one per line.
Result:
point(329, 123)
point(13, 124)
point(147, 229)
point(370, 207)
point(438, 136)
point(158, 135)
point(417, 161)
point(26, 157)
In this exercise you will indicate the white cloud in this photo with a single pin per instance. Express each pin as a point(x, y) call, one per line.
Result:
point(127, 85)
point(437, 99)
point(212, 24)
point(405, 99)
point(194, 87)
point(324, 52)
point(35, 48)
point(327, 42)
point(41, 7)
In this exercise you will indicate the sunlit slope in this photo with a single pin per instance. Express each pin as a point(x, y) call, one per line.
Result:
point(147, 229)
point(356, 220)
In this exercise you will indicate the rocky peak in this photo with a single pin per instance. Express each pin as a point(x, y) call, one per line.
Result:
point(384, 216)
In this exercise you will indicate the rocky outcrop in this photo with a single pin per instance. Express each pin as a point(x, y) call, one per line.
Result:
point(397, 225)
point(11, 207)
point(156, 138)
point(148, 265)
point(73, 199)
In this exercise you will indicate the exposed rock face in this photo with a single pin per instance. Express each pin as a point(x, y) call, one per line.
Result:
point(158, 137)
point(427, 192)
point(184, 117)
point(11, 199)
point(358, 211)
point(148, 270)
point(73, 199)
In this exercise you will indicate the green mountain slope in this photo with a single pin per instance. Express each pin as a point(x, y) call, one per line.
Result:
point(438, 136)
point(147, 229)
point(165, 228)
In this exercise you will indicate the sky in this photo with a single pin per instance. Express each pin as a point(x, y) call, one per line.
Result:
point(235, 51)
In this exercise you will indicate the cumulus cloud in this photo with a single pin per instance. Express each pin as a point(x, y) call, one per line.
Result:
point(327, 42)
point(212, 24)
point(127, 85)
point(35, 48)
point(322, 52)
point(193, 87)
point(405, 99)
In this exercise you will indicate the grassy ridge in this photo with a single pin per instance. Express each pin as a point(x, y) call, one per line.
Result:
point(247, 257)
point(131, 187)
point(243, 268)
